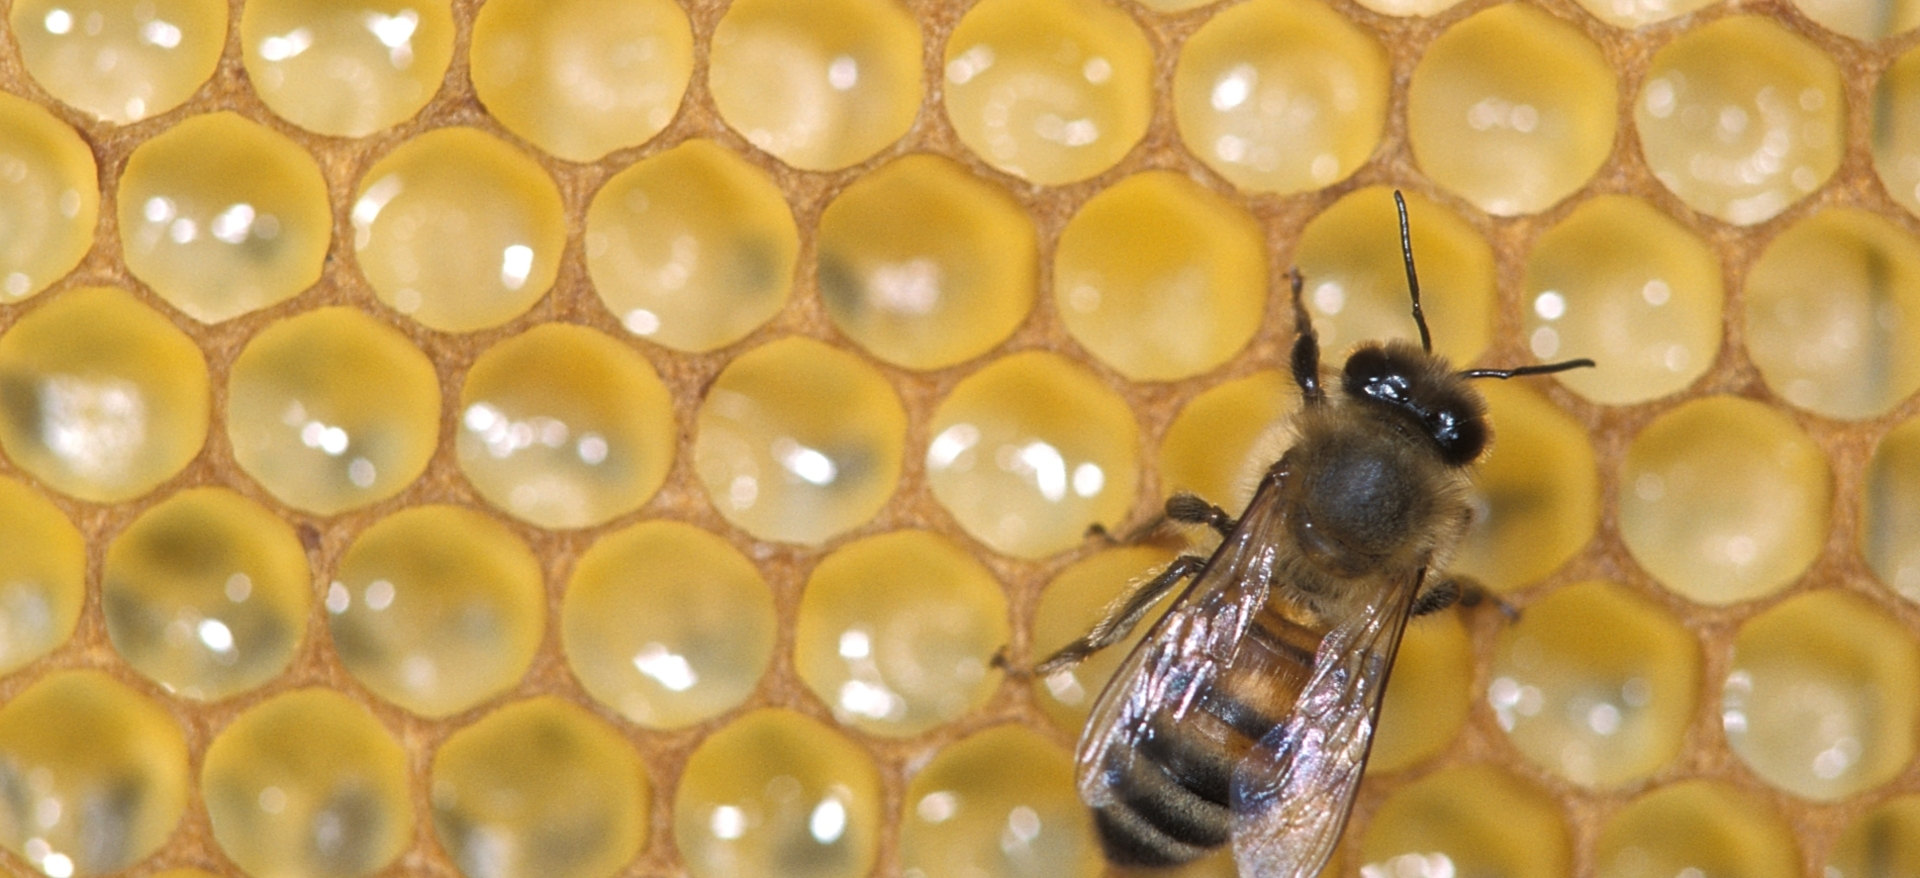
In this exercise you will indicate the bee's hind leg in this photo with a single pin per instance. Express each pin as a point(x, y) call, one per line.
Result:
point(1122, 616)
point(1462, 592)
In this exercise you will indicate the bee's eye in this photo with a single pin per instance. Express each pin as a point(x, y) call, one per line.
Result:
point(1460, 434)
point(1373, 373)
point(1392, 377)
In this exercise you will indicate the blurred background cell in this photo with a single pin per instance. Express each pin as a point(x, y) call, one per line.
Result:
point(1224, 438)
point(1896, 130)
point(1536, 492)
point(1468, 820)
point(999, 802)
point(1427, 704)
point(120, 60)
point(1630, 14)
point(101, 398)
point(1077, 598)
point(581, 78)
point(49, 198)
point(1890, 512)
point(346, 69)
point(1702, 826)
point(1862, 20)
point(222, 216)
point(43, 567)
point(693, 247)
point(1882, 843)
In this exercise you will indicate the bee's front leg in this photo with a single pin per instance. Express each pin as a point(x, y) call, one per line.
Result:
point(1120, 617)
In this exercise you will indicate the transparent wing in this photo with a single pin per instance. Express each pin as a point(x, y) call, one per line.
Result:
point(1291, 793)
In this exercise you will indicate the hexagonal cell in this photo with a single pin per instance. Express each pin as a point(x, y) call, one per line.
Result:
point(346, 69)
point(1409, 8)
point(1472, 820)
point(1697, 826)
point(1596, 684)
point(1160, 277)
point(797, 441)
point(925, 264)
point(98, 772)
point(436, 608)
point(1537, 492)
point(1883, 843)
point(582, 78)
point(1862, 20)
point(1896, 130)
point(121, 60)
point(1048, 90)
point(1621, 283)
point(458, 230)
point(105, 399)
point(1741, 118)
point(1890, 513)
point(896, 632)
point(540, 787)
point(1077, 598)
point(49, 198)
point(1000, 802)
point(222, 216)
point(819, 85)
point(1833, 314)
point(43, 566)
point(562, 427)
point(1631, 14)
point(1426, 704)
point(1030, 451)
point(1512, 109)
point(1281, 96)
point(1223, 439)
point(308, 783)
point(1724, 500)
point(207, 593)
point(691, 247)
point(1356, 280)
point(306, 421)
point(1823, 696)
point(667, 624)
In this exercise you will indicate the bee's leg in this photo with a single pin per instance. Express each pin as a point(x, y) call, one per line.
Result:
point(1473, 594)
point(1122, 615)
point(1190, 509)
point(1439, 596)
point(1306, 344)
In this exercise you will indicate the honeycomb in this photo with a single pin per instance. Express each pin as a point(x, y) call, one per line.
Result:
point(613, 437)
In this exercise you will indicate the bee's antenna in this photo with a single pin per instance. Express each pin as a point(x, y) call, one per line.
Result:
point(1413, 280)
point(1542, 369)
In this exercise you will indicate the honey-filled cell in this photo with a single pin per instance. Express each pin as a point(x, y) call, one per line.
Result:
point(43, 567)
point(1468, 820)
point(692, 247)
point(820, 85)
point(1896, 130)
point(582, 78)
point(1032, 450)
point(1890, 513)
point(1051, 91)
point(106, 398)
point(1596, 684)
point(1426, 706)
point(896, 632)
point(999, 802)
point(1225, 438)
point(1536, 491)
point(1696, 826)
point(776, 793)
point(1882, 843)
point(1630, 14)
point(1160, 277)
point(346, 69)
point(1861, 19)
point(1512, 109)
point(120, 60)
point(667, 624)
point(925, 264)
point(49, 198)
point(1076, 599)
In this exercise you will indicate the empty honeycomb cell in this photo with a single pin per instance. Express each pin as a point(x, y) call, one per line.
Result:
point(798, 441)
point(1890, 515)
point(49, 198)
point(692, 247)
point(1536, 494)
point(582, 78)
point(96, 774)
point(1468, 820)
point(562, 426)
point(1696, 826)
point(1596, 684)
point(308, 784)
point(1032, 450)
point(1077, 598)
point(121, 60)
point(346, 68)
point(540, 787)
point(1862, 20)
point(667, 623)
point(1048, 90)
point(1883, 843)
point(436, 608)
point(1823, 697)
point(819, 85)
point(1426, 705)
point(1224, 439)
point(458, 230)
point(1740, 118)
point(925, 264)
point(1513, 109)
point(222, 216)
point(1356, 279)
point(1281, 96)
point(1833, 314)
point(307, 422)
point(101, 398)
point(1896, 130)
point(206, 593)
point(896, 631)
point(1625, 285)
point(1160, 277)
point(1724, 500)
point(43, 565)
point(776, 793)
point(1000, 802)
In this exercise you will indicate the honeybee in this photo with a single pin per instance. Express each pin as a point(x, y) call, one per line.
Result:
point(1247, 713)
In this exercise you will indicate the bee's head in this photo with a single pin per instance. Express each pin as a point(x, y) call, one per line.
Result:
point(1422, 387)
